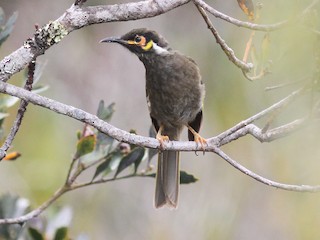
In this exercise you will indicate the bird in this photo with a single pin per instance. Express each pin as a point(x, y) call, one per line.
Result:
point(175, 94)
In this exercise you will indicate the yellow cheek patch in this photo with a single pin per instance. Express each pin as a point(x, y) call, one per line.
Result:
point(148, 46)
point(142, 43)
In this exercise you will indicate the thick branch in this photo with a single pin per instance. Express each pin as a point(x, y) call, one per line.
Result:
point(94, 121)
point(123, 136)
point(77, 17)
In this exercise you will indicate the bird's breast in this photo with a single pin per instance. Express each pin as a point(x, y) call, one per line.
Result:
point(174, 89)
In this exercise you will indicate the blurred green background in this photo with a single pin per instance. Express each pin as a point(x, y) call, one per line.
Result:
point(224, 203)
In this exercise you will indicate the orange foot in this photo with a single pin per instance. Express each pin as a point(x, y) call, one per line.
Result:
point(200, 140)
point(197, 138)
point(161, 138)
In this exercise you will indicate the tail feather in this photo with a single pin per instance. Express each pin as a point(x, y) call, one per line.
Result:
point(167, 179)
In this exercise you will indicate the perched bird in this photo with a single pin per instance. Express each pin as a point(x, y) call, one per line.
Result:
point(175, 96)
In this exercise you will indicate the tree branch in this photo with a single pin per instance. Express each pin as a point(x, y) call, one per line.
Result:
point(22, 108)
point(289, 187)
point(239, 130)
point(249, 25)
point(282, 103)
point(77, 17)
point(246, 67)
point(267, 136)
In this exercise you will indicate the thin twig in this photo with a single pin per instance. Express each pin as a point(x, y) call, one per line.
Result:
point(259, 115)
point(249, 25)
point(246, 67)
point(289, 187)
point(270, 135)
point(21, 110)
point(37, 211)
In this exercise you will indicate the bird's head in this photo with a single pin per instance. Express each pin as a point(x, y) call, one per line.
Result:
point(141, 42)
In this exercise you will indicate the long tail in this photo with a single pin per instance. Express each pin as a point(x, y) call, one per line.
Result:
point(167, 179)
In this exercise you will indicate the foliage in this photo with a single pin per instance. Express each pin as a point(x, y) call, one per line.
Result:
point(6, 27)
point(53, 225)
point(7, 102)
point(95, 147)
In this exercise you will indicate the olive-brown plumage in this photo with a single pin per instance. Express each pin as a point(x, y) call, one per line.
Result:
point(175, 95)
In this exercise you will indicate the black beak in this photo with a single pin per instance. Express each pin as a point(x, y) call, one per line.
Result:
point(112, 39)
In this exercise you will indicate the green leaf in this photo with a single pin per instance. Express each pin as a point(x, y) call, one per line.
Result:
point(186, 178)
point(1, 16)
point(61, 234)
point(135, 156)
point(105, 113)
point(3, 115)
point(98, 153)
point(153, 175)
point(40, 89)
point(110, 164)
point(7, 101)
point(7, 29)
point(35, 234)
point(58, 218)
point(10, 207)
point(38, 71)
point(85, 145)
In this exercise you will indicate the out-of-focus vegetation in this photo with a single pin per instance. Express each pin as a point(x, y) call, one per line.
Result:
point(223, 204)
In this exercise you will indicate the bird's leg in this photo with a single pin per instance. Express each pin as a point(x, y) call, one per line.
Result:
point(197, 138)
point(161, 138)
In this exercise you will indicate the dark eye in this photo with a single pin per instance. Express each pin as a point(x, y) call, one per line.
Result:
point(137, 39)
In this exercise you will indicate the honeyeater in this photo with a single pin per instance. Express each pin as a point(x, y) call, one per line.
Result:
point(175, 94)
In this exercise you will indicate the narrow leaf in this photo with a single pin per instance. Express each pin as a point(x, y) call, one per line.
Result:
point(3, 115)
point(105, 113)
point(153, 175)
point(40, 89)
point(7, 29)
point(135, 156)
point(247, 7)
point(7, 101)
point(1, 16)
point(97, 154)
point(35, 234)
point(186, 178)
point(110, 164)
point(61, 234)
